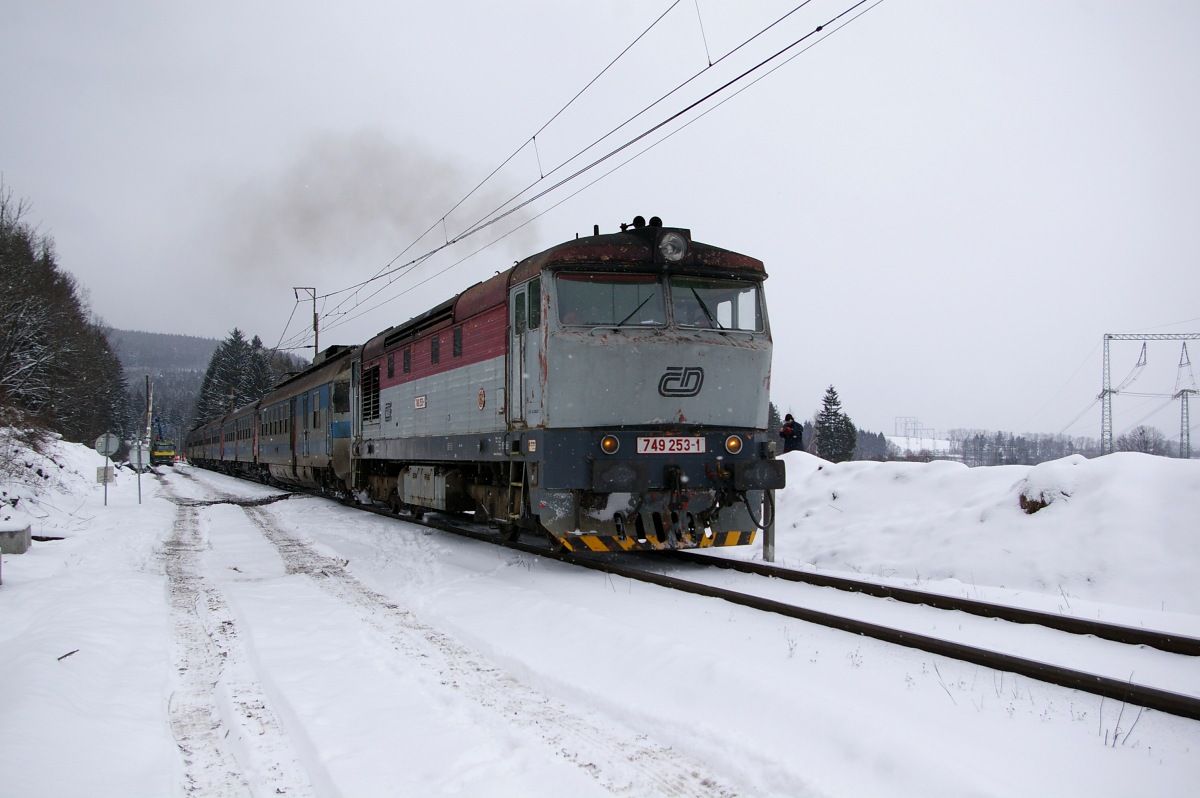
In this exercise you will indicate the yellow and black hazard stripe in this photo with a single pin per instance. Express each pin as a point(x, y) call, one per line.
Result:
point(733, 538)
point(613, 543)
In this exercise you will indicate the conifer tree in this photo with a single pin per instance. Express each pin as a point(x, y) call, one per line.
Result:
point(239, 372)
point(774, 420)
point(836, 434)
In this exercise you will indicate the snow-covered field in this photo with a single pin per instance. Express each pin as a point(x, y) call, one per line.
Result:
point(304, 648)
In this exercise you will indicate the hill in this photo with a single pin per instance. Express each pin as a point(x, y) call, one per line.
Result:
point(159, 352)
point(175, 365)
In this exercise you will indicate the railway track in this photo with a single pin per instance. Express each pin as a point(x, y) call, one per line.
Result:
point(1121, 690)
point(1163, 641)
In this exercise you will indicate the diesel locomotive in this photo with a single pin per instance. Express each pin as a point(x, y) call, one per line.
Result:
point(610, 392)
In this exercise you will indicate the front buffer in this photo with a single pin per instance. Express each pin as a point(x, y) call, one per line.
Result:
point(626, 498)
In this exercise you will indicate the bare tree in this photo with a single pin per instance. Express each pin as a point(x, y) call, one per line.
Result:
point(1143, 439)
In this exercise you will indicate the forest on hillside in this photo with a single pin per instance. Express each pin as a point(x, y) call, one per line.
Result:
point(58, 372)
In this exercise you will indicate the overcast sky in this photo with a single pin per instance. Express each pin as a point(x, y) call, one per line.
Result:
point(954, 200)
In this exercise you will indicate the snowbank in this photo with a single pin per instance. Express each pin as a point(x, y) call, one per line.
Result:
point(1120, 529)
point(48, 490)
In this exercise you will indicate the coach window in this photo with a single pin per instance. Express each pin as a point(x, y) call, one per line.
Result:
point(535, 302)
point(407, 361)
point(458, 341)
point(435, 349)
point(391, 364)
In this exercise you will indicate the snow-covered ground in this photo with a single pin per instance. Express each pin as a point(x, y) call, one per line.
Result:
point(304, 648)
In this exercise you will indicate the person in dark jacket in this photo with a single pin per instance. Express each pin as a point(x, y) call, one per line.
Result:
point(792, 434)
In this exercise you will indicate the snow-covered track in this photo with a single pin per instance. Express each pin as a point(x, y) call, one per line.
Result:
point(1127, 691)
point(1122, 690)
point(1163, 641)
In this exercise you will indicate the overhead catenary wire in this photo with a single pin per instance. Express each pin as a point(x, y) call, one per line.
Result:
point(518, 150)
point(593, 182)
point(285, 326)
point(497, 216)
point(475, 225)
point(703, 36)
point(595, 142)
point(830, 27)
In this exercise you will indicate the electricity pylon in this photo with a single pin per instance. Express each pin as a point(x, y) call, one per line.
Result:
point(1106, 392)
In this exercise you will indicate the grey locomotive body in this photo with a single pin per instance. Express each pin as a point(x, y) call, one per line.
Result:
point(610, 391)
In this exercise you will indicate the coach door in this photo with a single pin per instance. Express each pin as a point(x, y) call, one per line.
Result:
point(293, 431)
point(305, 426)
point(524, 383)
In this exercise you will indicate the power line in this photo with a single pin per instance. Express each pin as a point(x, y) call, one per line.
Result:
point(1164, 326)
point(1063, 387)
point(643, 110)
point(517, 151)
point(285, 326)
point(496, 215)
point(1157, 409)
point(588, 185)
point(1082, 413)
point(478, 224)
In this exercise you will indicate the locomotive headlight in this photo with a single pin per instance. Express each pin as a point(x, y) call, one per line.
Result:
point(733, 444)
point(672, 246)
point(609, 444)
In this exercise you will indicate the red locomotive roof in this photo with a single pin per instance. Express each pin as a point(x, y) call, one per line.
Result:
point(635, 247)
point(481, 296)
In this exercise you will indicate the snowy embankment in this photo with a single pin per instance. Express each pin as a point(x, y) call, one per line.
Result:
point(1121, 531)
point(305, 648)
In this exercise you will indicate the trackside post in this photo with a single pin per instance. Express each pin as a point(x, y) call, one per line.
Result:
point(769, 530)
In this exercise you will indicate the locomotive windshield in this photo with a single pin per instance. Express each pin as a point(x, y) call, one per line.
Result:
point(610, 300)
point(716, 304)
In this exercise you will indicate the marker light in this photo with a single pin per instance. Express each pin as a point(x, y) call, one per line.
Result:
point(609, 444)
point(672, 246)
point(733, 444)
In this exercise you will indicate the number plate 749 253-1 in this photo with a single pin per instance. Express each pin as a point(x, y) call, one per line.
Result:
point(670, 445)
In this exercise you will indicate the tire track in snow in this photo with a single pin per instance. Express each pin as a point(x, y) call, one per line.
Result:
point(216, 696)
point(629, 765)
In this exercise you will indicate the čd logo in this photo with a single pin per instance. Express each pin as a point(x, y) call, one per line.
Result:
point(681, 381)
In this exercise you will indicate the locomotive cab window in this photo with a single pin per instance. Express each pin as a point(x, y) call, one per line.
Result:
point(458, 341)
point(519, 318)
point(610, 300)
point(716, 304)
point(534, 301)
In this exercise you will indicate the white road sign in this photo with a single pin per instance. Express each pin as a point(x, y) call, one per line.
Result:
point(107, 444)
